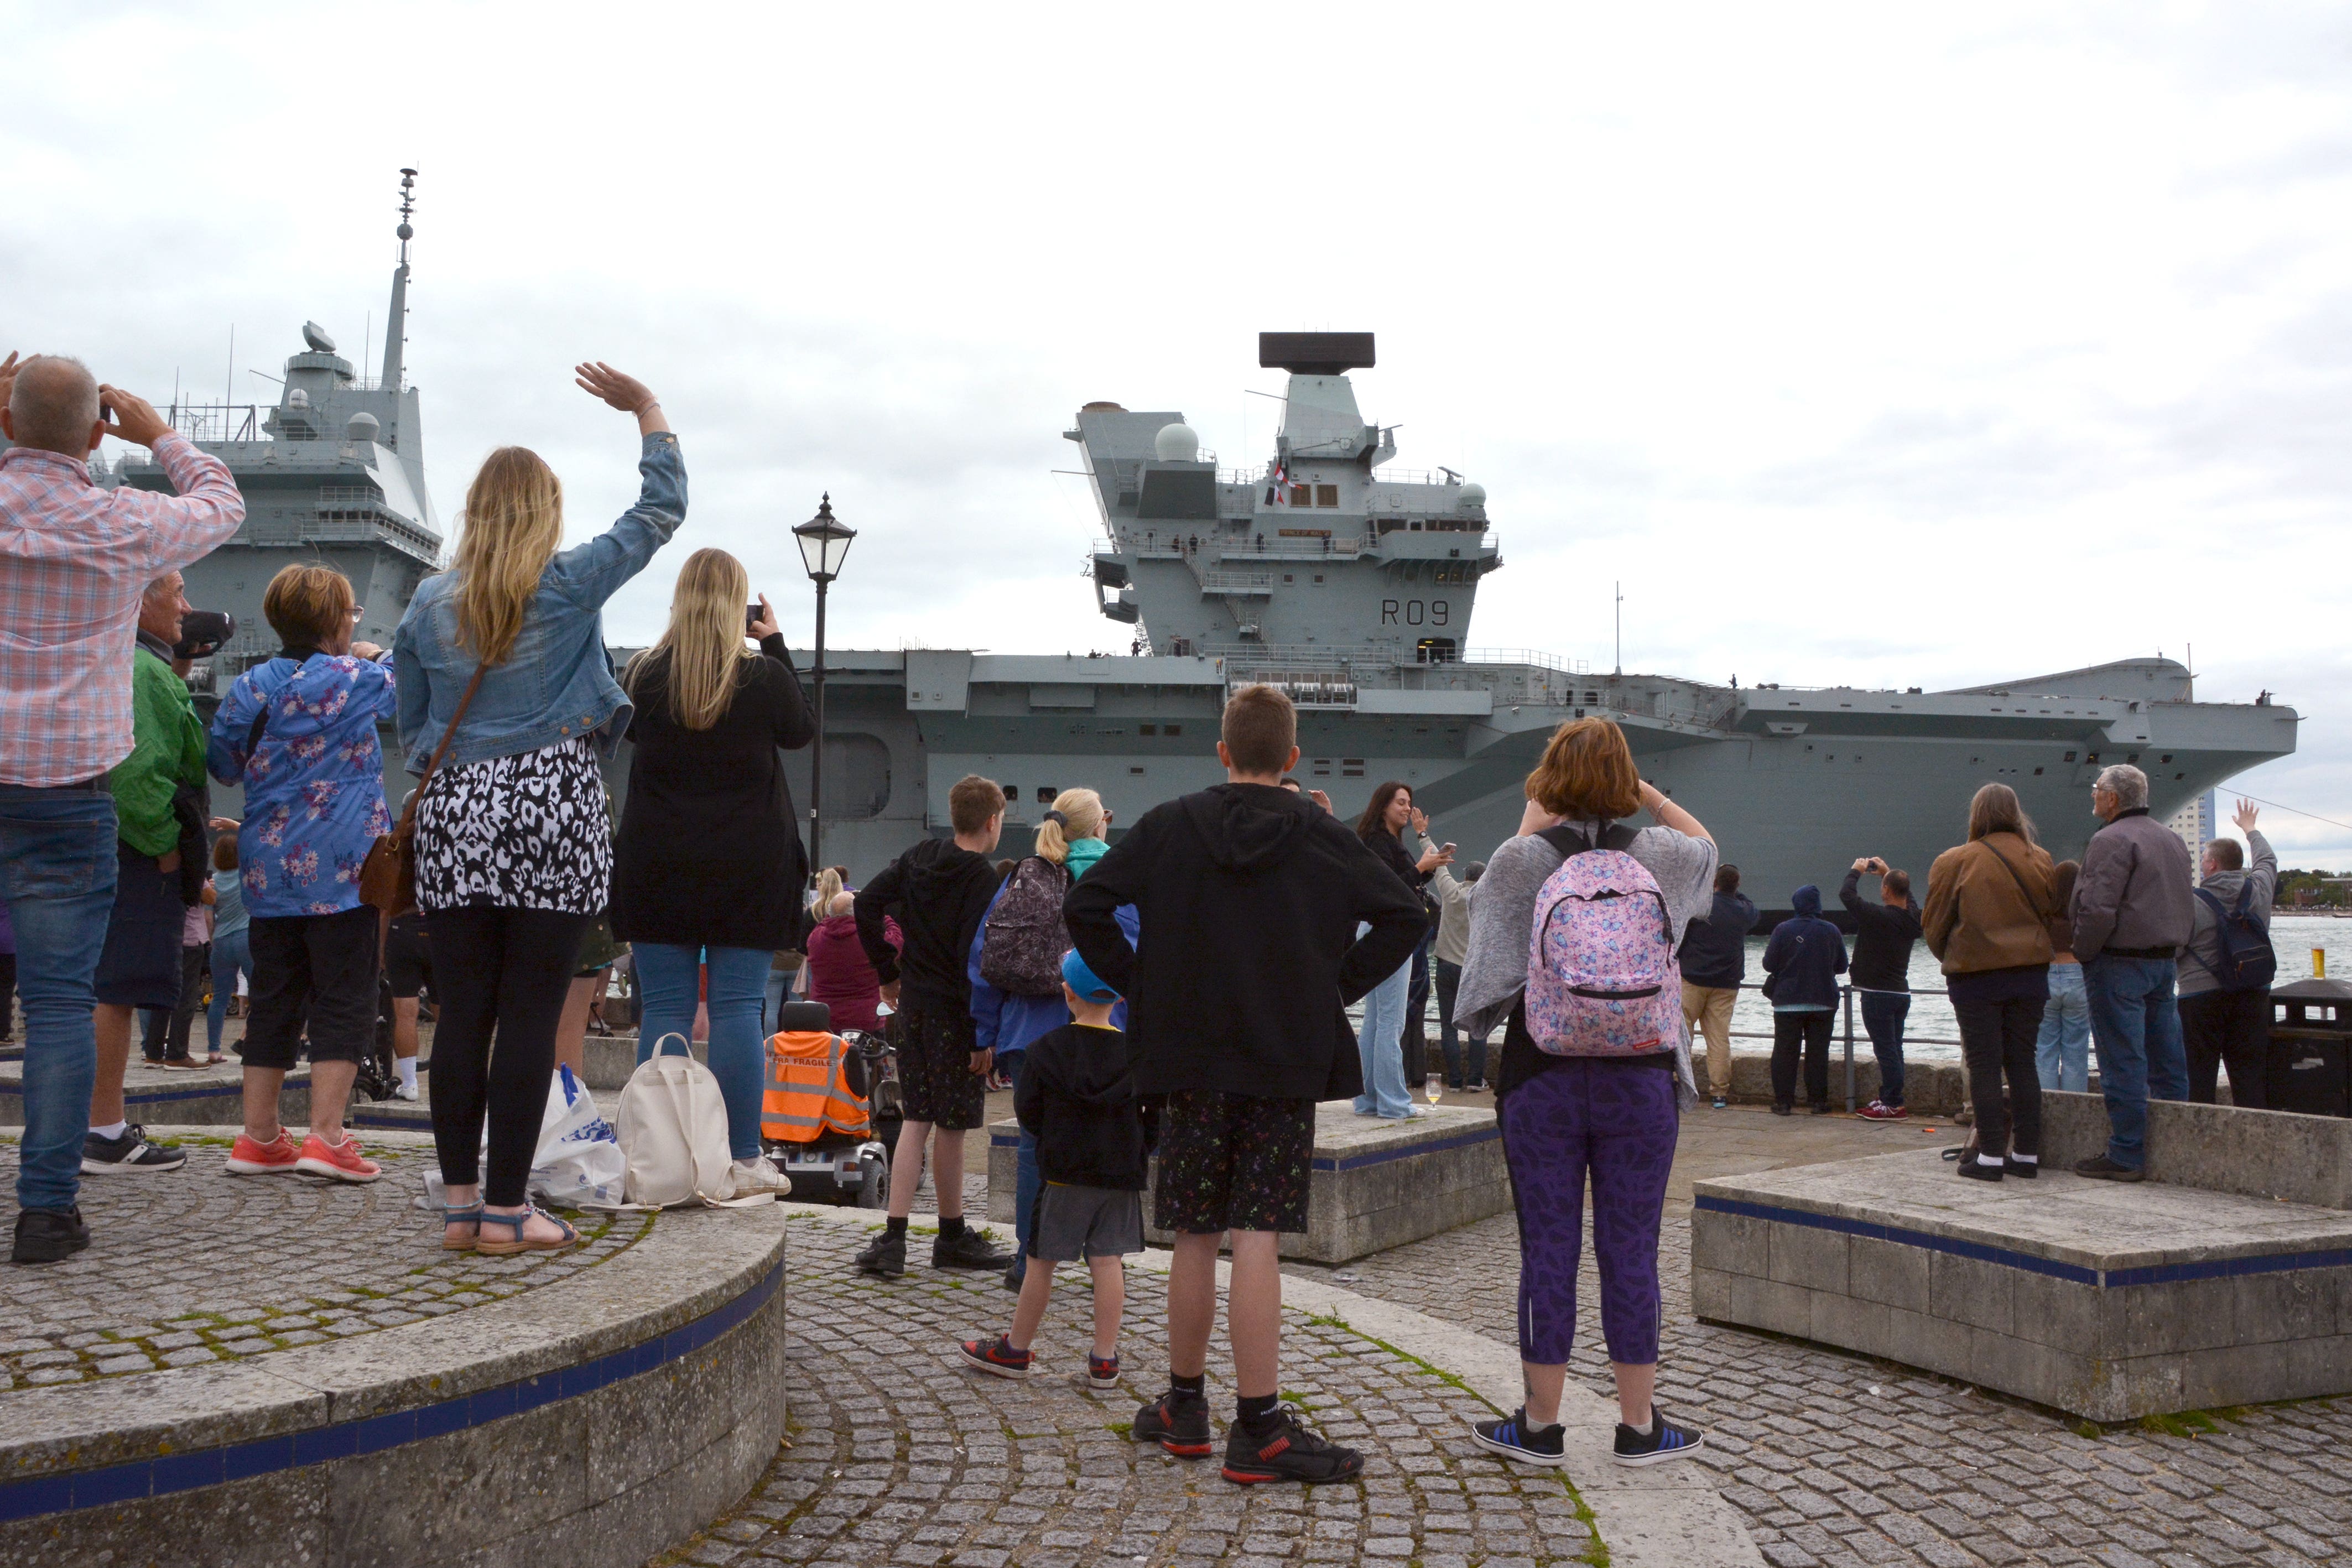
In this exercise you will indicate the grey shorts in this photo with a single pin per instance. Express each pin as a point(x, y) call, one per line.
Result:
point(1074, 1223)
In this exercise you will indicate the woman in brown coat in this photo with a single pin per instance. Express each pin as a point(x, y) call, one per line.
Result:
point(1989, 907)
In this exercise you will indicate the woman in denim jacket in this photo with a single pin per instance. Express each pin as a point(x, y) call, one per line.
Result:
point(514, 861)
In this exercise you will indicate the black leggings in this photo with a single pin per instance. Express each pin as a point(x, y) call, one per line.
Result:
point(1997, 1039)
point(504, 971)
point(1810, 1032)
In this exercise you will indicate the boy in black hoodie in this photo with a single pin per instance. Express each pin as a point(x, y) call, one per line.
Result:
point(1249, 900)
point(1076, 1098)
point(939, 893)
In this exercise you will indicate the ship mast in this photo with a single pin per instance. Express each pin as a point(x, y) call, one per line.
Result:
point(395, 326)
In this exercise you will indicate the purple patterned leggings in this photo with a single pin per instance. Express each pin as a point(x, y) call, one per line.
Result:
point(1618, 1122)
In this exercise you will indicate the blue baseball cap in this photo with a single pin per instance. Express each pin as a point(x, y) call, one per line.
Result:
point(1085, 981)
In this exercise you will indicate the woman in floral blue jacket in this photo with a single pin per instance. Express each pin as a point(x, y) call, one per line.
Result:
point(299, 733)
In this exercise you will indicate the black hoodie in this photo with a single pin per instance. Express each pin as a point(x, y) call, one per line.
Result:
point(1248, 898)
point(939, 893)
point(1076, 1098)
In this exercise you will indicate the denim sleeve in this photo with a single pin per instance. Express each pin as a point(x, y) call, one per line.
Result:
point(413, 699)
point(593, 572)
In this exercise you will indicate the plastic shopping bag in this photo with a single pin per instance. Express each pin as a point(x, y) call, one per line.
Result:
point(579, 1160)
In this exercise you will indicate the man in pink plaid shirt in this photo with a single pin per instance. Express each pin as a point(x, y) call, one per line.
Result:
point(74, 560)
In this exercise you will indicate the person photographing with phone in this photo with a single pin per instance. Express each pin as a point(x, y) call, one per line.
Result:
point(1881, 975)
point(75, 562)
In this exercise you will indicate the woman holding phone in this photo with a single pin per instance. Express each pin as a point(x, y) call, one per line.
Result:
point(708, 865)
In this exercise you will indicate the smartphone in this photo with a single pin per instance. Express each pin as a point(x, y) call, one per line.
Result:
point(750, 619)
point(1448, 849)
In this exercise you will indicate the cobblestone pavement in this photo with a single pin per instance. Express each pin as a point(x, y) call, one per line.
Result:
point(901, 1455)
point(1834, 1458)
point(197, 1265)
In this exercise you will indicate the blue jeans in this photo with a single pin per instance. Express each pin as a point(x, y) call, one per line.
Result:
point(1027, 1183)
point(772, 996)
point(1883, 1014)
point(57, 874)
point(1382, 1046)
point(739, 980)
point(231, 957)
point(2136, 1024)
point(2061, 1055)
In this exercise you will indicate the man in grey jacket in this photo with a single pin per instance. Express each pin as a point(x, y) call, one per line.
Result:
point(2132, 912)
point(2218, 1026)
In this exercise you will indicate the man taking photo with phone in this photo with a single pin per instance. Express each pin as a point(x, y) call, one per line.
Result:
point(75, 563)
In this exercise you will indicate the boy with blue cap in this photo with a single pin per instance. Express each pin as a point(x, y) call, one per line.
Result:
point(1076, 1098)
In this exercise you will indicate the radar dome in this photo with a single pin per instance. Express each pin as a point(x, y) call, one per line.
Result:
point(1474, 495)
point(296, 398)
point(361, 427)
point(1177, 444)
point(316, 336)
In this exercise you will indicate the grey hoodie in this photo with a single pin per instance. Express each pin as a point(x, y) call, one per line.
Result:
point(2204, 949)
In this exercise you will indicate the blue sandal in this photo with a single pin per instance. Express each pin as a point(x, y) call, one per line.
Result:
point(461, 1214)
point(515, 1241)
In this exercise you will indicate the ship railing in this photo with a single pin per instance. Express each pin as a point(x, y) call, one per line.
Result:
point(1241, 582)
point(1535, 657)
point(216, 421)
point(1411, 476)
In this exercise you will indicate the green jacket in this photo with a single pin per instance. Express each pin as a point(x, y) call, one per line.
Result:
point(167, 750)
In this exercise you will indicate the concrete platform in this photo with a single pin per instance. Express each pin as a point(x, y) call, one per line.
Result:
point(2107, 1300)
point(186, 1097)
point(1373, 1185)
point(271, 1370)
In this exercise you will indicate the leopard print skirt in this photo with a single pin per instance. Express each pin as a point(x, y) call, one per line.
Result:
point(528, 831)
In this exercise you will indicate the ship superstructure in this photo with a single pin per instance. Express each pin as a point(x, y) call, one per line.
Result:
point(333, 472)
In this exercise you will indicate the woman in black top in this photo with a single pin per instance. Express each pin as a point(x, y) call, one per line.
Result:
point(708, 865)
point(1381, 1039)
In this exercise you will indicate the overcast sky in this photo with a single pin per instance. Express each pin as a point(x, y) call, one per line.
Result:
point(1891, 345)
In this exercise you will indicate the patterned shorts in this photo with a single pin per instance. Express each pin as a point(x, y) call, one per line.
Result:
point(1233, 1162)
point(935, 1071)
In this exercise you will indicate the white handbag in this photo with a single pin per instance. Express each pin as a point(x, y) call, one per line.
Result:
point(673, 1131)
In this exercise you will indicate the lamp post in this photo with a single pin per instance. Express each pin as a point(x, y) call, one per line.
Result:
point(824, 543)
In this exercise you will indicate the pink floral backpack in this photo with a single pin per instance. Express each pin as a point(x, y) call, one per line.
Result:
point(1602, 974)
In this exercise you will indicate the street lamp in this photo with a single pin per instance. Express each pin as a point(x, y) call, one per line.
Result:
point(824, 543)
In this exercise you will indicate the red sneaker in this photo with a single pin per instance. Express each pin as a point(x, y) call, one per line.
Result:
point(343, 1162)
point(247, 1157)
point(1879, 1111)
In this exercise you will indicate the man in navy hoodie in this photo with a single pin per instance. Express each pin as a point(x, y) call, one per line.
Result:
point(1804, 958)
point(1250, 901)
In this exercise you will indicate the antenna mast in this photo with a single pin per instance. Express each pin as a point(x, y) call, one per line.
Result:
point(395, 325)
point(1621, 628)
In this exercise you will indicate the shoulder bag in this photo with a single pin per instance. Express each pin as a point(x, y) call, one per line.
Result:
point(388, 875)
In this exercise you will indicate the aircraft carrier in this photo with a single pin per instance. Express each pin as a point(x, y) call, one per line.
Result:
point(1326, 571)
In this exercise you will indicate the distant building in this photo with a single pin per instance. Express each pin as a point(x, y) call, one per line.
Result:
point(2194, 823)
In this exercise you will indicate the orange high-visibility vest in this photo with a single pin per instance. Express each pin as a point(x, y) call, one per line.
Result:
point(806, 1091)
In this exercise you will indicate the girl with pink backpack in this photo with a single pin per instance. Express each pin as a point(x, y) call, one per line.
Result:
point(1572, 941)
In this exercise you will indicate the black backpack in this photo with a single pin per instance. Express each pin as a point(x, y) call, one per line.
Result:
point(1022, 944)
point(2243, 959)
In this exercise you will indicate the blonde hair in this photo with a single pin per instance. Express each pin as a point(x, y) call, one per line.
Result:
point(308, 604)
point(1083, 813)
point(829, 888)
point(1587, 772)
point(513, 521)
point(701, 650)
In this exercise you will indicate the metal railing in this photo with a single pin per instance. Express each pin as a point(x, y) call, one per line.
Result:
point(1237, 582)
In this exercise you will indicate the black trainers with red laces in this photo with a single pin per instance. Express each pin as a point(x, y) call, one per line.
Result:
point(1177, 1422)
point(1284, 1451)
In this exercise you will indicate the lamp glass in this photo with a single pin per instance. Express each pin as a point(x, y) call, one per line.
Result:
point(824, 544)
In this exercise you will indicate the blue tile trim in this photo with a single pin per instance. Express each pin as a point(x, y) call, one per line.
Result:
point(1382, 1156)
point(172, 1473)
point(2155, 1274)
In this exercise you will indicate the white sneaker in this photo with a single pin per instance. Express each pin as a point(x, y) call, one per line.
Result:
point(761, 1175)
point(404, 1092)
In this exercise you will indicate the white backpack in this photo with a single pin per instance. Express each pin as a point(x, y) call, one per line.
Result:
point(673, 1133)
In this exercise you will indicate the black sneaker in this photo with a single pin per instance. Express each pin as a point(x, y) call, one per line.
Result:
point(1512, 1437)
point(2099, 1168)
point(1977, 1170)
point(885, 1255)
point(2024, 1170)
point(1178, 1422)
point(48, 1235)
point(129, 1154)
point(1820, 1108)
point(995, 1355)
point(1782, 1108)
point(1285, 1451)
point(968, 1248)
point(1663, 1441)
point(1102, 1371)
